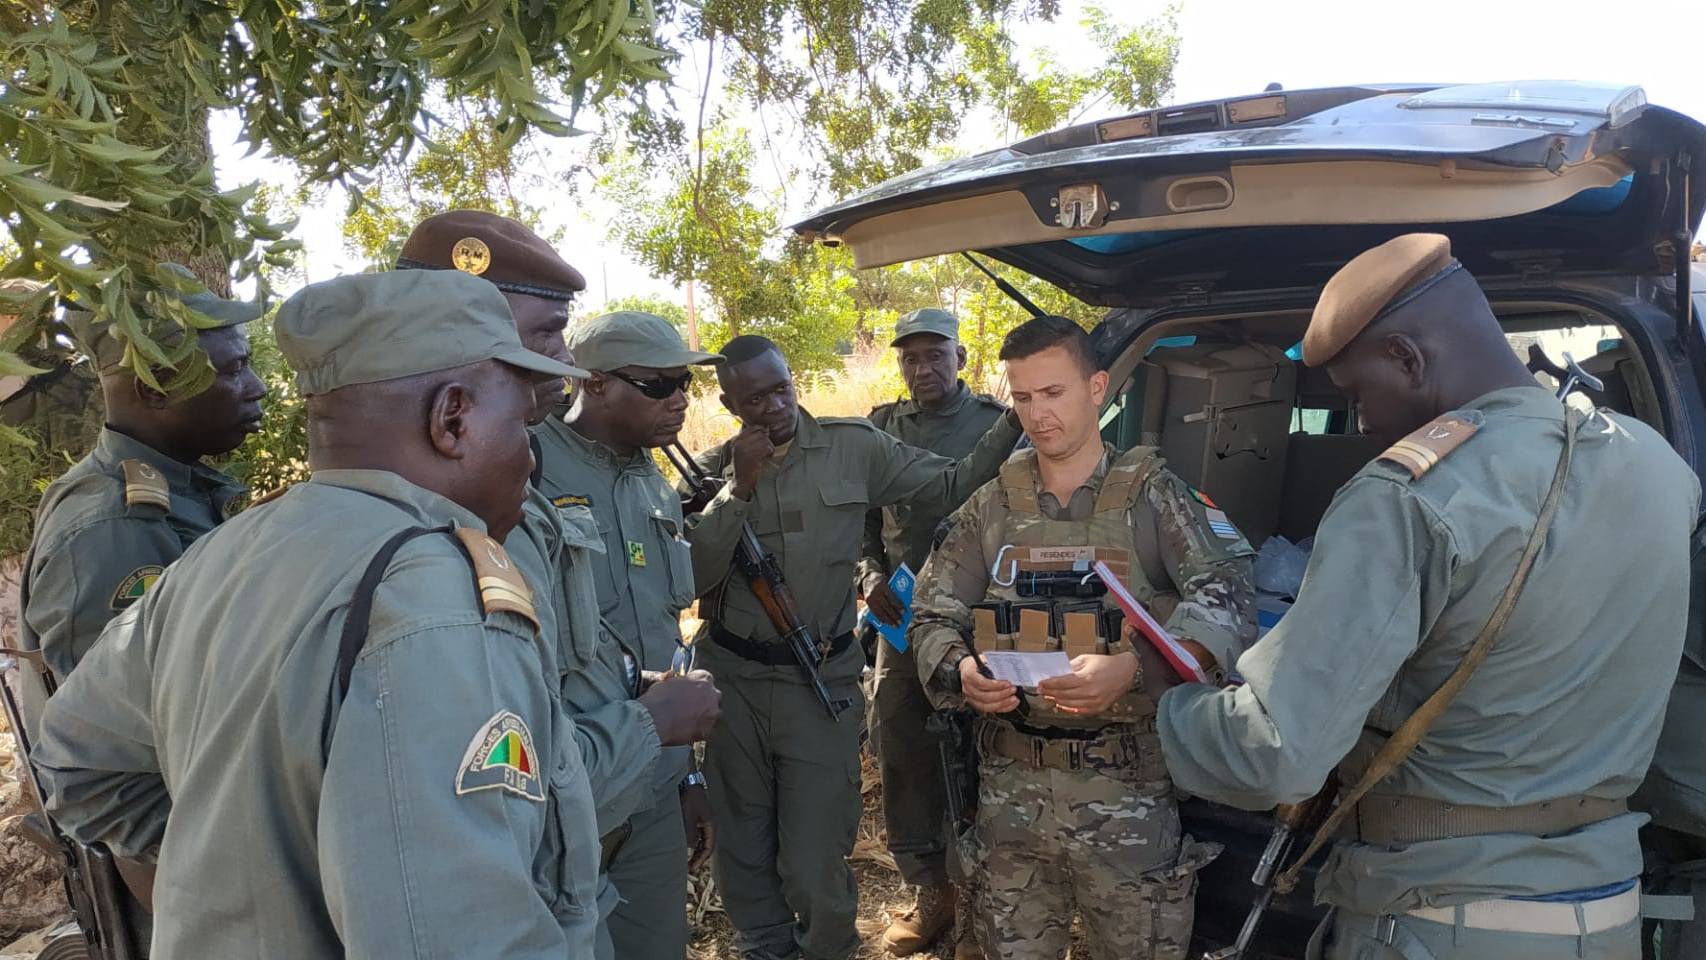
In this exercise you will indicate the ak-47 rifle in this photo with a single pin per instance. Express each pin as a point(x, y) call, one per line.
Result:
point(1291, 820)
point(92, 882)
point(764, 576)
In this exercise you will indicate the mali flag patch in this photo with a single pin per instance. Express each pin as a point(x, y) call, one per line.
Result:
point(501, 757)
point(136, 585)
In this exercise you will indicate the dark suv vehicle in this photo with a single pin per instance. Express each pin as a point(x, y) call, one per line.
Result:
point(1208, 230)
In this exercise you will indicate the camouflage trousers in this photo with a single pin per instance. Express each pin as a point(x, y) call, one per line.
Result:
point(1049, 844)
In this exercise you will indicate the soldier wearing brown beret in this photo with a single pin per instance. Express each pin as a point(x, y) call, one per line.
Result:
point(1488, 819)
point(619, 729)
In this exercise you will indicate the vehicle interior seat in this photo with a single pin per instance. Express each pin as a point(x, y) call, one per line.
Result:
point(1222, 413)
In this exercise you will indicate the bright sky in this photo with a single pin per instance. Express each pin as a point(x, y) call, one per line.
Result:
point(1230, 47)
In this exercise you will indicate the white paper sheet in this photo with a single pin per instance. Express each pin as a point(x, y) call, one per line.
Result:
point(1026, 669)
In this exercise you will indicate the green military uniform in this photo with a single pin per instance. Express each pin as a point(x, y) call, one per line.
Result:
point(784, 779)
point(644, 573)
point(108, 527)
point(617, 740)
point(913, 793)
point(1674, 793)
point(1408, 564)
point(558, 549)
point(1108, 842)
point(440, 808)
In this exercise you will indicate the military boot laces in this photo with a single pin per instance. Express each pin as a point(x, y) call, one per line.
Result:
point(932, 915)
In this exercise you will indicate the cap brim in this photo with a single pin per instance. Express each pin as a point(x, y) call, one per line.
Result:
point(915, 333)
point(539, 363)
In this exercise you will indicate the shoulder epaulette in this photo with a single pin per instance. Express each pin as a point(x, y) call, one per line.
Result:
point(1126, 477)
point(145, 486)
point(1422, 450)
point(270, 496)
point(986, 398)
point(502, 587)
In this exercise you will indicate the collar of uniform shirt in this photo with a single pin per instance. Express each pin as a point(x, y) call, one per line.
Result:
point(600, 449)
point(113, 446)
point(949, 407)
point(422, 505)
point(1082, 503)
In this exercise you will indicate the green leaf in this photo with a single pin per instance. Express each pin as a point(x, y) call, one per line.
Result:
point(13, 437)
point(12, 365)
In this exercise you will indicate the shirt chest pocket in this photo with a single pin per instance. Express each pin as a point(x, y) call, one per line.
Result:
point(836, 522)
point(676, 557)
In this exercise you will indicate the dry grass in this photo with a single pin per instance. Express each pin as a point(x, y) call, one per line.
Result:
point(868, 378)
point(881, 891)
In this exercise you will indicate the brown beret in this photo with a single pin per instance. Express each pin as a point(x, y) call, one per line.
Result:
point(1375, 283)
point(494, 248)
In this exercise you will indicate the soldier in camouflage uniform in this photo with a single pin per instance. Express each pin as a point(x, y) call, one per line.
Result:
point(1075, 811)
point(944, 416)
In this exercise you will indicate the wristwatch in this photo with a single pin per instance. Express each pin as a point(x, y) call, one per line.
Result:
point(694, 779)
point(948, 674)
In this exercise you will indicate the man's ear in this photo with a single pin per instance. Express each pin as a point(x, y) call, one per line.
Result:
point(1098, 387)
point(595, 384)
point(148, 396)
point(1407, 354)
point(448, 419)
point(729, 405)
point(960, 351)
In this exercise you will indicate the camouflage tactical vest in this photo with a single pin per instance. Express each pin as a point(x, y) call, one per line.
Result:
point(1027, 543)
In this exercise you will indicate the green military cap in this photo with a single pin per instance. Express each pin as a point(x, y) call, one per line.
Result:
point(370, 327)
point(928, 320)
point(95, 338)
point(630, 338)
point(494, 248)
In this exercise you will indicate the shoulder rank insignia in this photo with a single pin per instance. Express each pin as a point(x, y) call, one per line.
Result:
point(502, 587)
point(270, 496)
point(135, 585)
point(1423, 450)
point(501, 757)
point(145, 486)
point(572, 500)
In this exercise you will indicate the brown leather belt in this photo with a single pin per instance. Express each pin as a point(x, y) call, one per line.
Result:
point(1113, 751)
point(1396, 820)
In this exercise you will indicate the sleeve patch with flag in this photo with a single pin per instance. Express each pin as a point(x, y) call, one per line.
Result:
point(135, 585)
point(501, 757)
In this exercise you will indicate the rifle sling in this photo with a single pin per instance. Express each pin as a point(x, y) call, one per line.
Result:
point(1416, 726)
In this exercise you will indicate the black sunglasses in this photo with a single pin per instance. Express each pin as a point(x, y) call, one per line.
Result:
point(657, 388)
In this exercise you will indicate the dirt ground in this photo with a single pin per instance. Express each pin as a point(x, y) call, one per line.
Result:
point(31, 896)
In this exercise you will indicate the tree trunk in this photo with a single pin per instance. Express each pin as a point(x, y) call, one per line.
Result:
point(692, 319)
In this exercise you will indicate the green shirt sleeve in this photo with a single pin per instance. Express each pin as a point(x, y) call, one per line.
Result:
point(899, 471)
point(85, 579)
point(1378, 576)
point(96, 753)
point(713, 532)
point(418, 856)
